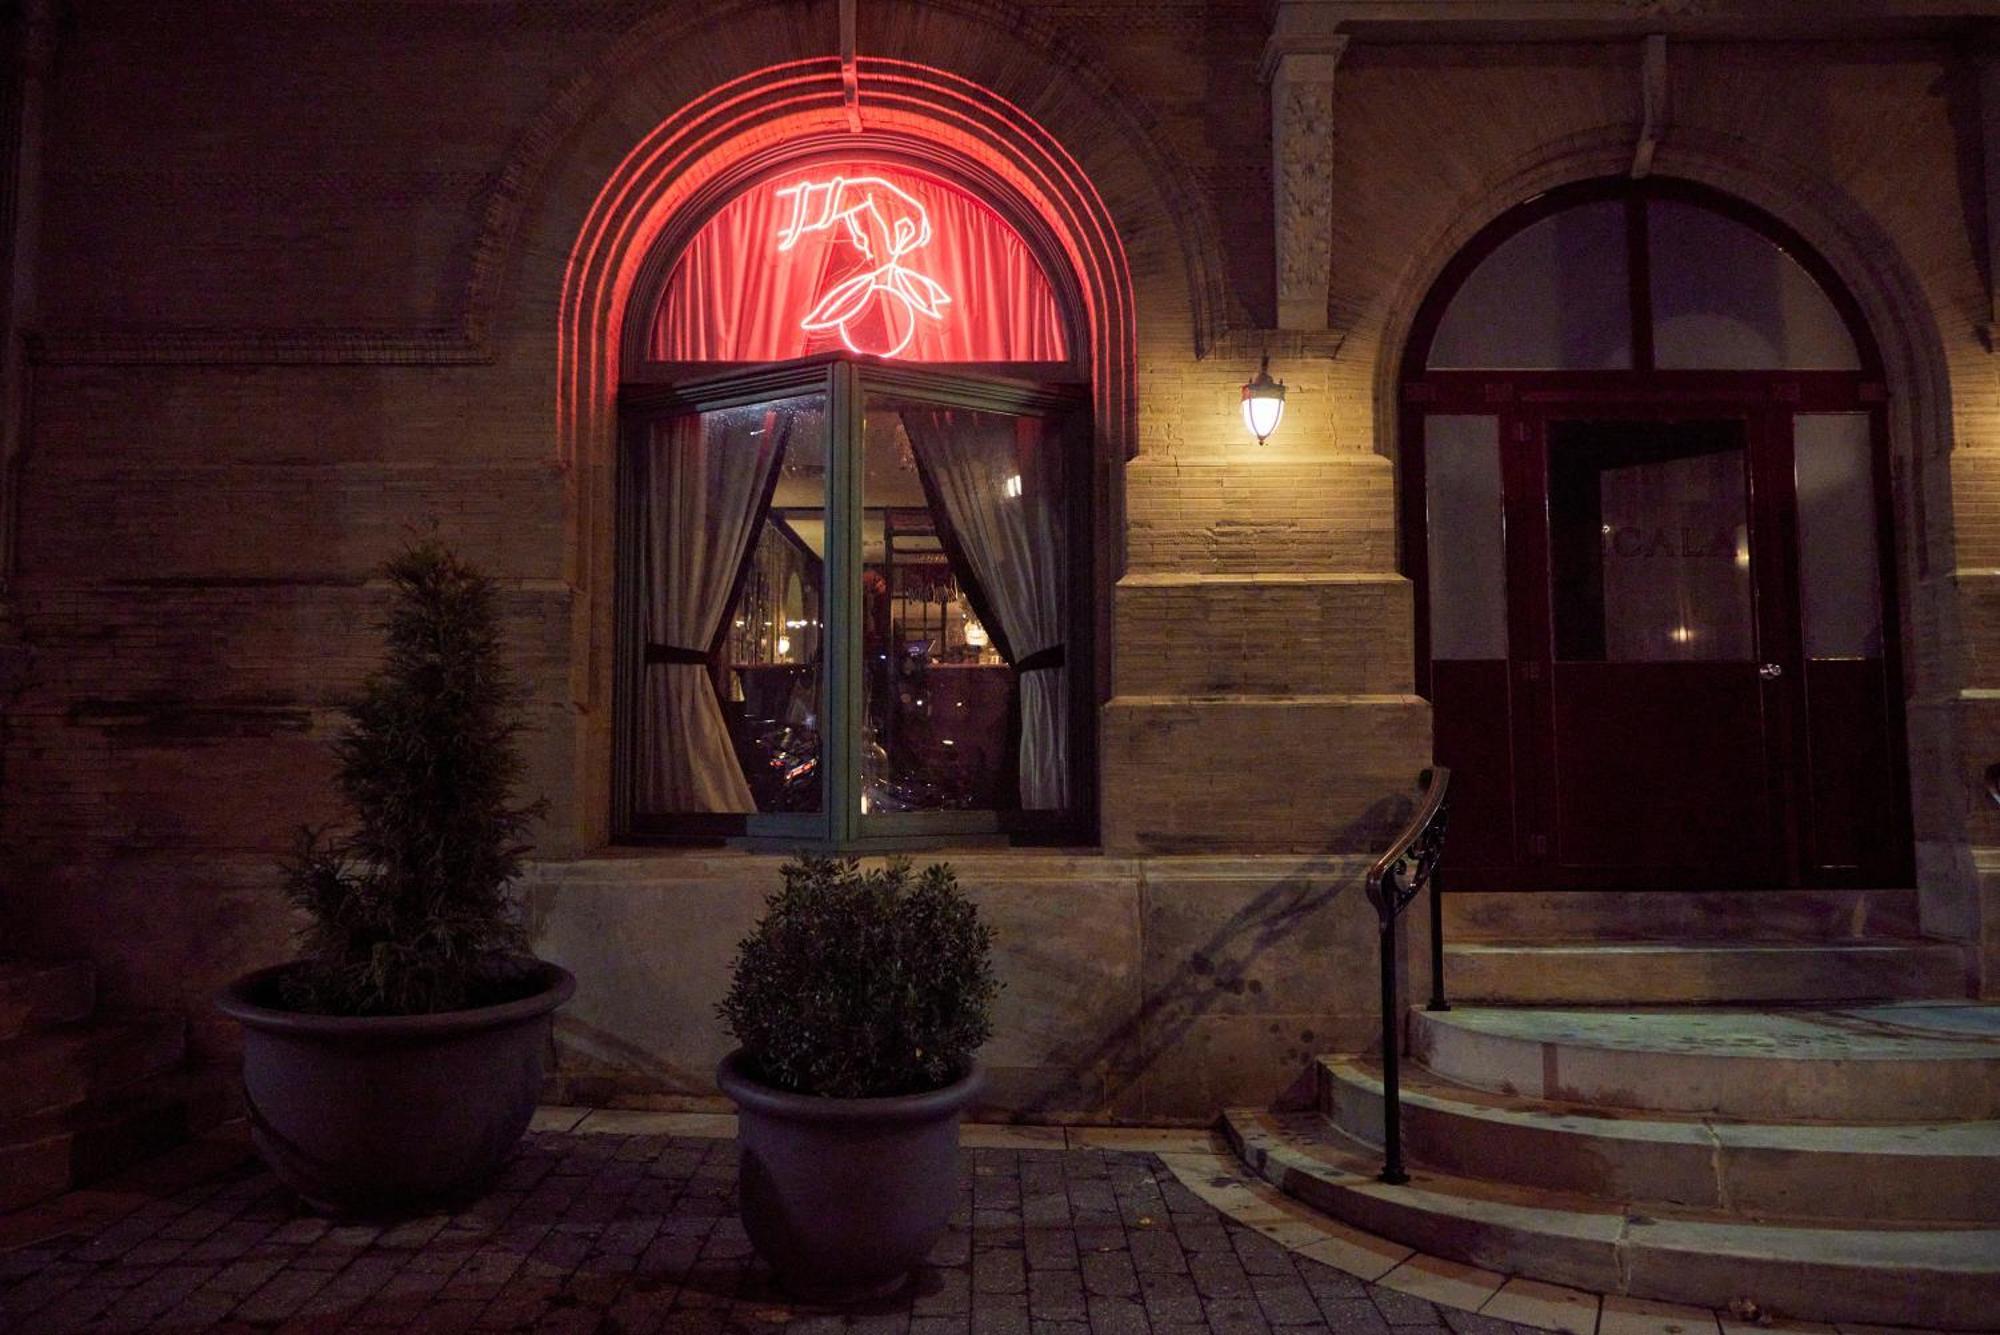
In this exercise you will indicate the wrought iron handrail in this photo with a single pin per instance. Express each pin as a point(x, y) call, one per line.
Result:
point(1399, 876)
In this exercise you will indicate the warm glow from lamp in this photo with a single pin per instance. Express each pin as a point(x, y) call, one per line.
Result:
point(1263, 403)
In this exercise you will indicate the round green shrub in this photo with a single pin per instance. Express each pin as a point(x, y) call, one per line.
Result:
point(863, 984)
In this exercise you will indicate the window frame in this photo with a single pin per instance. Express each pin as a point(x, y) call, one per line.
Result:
point(1522, 403)
point(1636, 197)
point(847, 382)
point(648, 388)
point(655, 272)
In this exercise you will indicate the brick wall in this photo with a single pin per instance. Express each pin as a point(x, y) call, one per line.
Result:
point(303, 268)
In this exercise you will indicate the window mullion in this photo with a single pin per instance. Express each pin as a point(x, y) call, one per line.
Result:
point(841, 740)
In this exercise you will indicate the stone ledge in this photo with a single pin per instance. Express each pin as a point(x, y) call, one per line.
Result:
point(1234, 579)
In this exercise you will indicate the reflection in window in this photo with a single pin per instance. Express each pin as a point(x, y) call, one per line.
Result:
point(1467, 537)
point(1649, 542)
point(1840, 572)
point(965, 609)
point(1727, 298)
point(1555, 296)
point(733, 506)
point(862, 258)
point(1551, 297)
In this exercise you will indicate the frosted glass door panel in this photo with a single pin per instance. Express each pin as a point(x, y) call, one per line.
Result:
point(1840, 572)
point(1727, 298)
point(1552, 297)
point(1466, 534)
point(1649, 542)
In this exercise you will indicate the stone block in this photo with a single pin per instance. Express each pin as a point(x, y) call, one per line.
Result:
point(1261, 516)
point(1313, 774)
point(35, 996)
point(652, 958)
point(1201, 635)
point(653, 941)
point(1293, 942)
point(1197, 1063)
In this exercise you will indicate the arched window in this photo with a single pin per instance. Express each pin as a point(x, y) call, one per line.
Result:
point(1644, 506)
point(855, 518)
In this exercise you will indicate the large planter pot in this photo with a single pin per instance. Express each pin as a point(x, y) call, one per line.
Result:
point(377, 1115)
point(843, 1197)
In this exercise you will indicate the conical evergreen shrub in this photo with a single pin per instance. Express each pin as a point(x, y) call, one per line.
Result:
point(409, 911)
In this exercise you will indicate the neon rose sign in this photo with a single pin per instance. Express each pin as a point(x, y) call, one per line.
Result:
point(876, 311)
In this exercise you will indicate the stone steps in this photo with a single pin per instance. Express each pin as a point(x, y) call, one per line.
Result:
point(60, 1069)
point(1937, 1277)
point(46, 1155)
point(1581, 972)
point(1675, 915)
point(1905, 1171)
point(36, 996)
point(1895, 1062)
point(83, 1096)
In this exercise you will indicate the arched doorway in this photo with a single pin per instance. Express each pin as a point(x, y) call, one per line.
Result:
point(856, 511)
point(1644, 505)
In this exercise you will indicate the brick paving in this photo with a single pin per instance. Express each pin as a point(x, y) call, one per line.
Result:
point(610, 1233)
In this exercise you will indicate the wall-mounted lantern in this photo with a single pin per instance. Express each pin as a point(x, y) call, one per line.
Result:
point(1263, 402)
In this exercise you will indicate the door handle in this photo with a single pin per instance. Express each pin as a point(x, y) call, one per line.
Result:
point(1770, 671)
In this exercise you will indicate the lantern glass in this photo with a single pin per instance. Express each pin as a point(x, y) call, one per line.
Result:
point(1262, 412)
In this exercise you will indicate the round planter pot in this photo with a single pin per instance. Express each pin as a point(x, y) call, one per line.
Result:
point(376, 1115)
point(843, 1197)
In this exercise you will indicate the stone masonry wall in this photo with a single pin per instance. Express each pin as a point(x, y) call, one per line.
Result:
point(302, 265)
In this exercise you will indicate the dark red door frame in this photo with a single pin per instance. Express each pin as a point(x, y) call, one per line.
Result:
point(1526, 401)
point(1525, 405)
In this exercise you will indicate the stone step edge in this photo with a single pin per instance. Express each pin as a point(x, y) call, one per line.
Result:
point(1876, 913)
point(1443, 1042)
point(98, 1141)
point(38, 994)
point(1805, 1272)
point(1698, 945)
point(156, 1043)
point(1710, 1151)
point(1655, 973)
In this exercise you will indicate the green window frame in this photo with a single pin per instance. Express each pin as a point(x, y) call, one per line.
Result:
point(847, 383)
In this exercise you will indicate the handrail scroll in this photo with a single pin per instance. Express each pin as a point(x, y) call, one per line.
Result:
point(1399, 876)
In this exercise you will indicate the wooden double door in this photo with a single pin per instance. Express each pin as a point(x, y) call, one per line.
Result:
point(1657, 633)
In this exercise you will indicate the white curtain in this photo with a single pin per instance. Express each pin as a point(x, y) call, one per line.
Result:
point(999, 480)
point(708, 482)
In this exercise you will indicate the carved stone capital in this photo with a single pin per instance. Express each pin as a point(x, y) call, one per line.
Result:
point(1302, 28)
point(1302, 179)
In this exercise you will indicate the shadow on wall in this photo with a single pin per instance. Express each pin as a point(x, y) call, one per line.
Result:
point(1222, 966)
point(593, 1067)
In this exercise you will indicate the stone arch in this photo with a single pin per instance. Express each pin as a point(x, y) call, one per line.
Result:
point(683, 100)
point(1903, 322)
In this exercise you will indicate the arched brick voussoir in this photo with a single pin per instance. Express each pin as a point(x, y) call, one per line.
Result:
point(692, 89)
point(1932, 362)
point(687, 101)
point(1901, 309)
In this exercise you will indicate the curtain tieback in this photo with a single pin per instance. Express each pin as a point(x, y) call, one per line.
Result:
point(1040, 660)
point(673, 653)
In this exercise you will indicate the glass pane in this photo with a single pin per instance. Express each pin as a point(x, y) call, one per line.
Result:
point(964, 614)
point(1467, 537)
point(1840, 572)
point(857, 257)
point(1552, 297)
point(733, 604)
point(1727, 298)
point(1649, 542)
